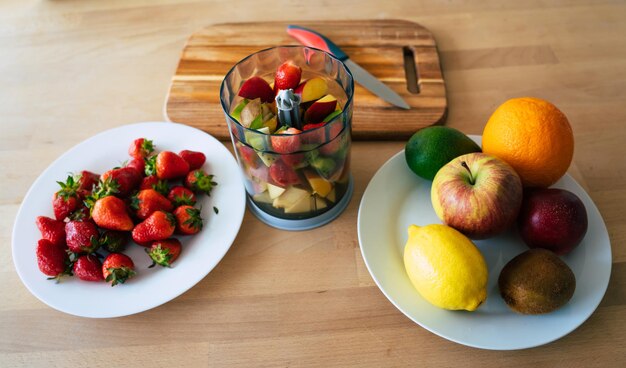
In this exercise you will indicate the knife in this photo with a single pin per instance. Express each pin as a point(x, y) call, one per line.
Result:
point(311, 38)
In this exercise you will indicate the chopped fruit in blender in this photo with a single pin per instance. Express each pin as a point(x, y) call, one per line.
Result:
point(324, 166)
point(319, 185)
point(332, 115)
point(271, 124)
point(320, 109)
point(283, 175)
point(287, 76)
point(287, 141)
point(256, 87)
point(313, 126)
point(248, 155)
point(332, 196)
point(259, 186)
point(290, 197)
point(312, 89)
point(237, 111)
point(304, 204)
point(275, 191)
point(267, 158)
point(257, 141)
point(262, 198)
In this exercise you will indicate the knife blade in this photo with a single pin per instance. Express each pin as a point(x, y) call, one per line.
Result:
point(311, 38)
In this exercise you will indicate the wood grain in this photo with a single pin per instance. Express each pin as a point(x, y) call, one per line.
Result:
point(70, 69)
point(376, 45)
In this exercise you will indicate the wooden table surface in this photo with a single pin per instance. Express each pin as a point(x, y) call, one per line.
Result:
point(297, 298)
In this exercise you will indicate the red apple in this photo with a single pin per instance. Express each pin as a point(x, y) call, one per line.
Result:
point(287, 76)
point(320, 109)
point(477, 194)
point(256, 87)
point(311, 89)
point(553, 219)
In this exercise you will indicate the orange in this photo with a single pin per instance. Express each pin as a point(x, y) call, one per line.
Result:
point(534, 137)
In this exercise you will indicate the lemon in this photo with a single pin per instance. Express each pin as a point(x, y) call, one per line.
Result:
point(445, 267)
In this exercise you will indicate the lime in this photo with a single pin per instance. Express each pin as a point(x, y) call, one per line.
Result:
point(429, 149)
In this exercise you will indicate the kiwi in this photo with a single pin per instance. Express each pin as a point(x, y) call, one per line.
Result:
point(536, 282)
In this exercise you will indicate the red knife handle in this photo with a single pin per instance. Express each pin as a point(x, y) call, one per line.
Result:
point(310, 38)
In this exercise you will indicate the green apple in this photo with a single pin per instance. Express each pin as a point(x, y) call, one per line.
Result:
point(477, 194)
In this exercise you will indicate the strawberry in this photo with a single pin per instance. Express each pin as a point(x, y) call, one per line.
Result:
point(51, 230)
point(114, 241)
point(117, 268)
point(200, 181)
point(283, 175)
point(287, 76)
point(188, 220)
point(110, 213)
point(66, 200)
point(88, 268)
point(153, 182)
point(138, 164)
point(149, 200)
point(82, 236)
point(86, 182)
point(256, 87)
point(170, 166)
point(52, 259)
point(249, 156)
point(158, 226)
point(81, 214)
point(164, 252)
point(194, 159)
point(141, 148)
point(180, 195)
point(127, 179)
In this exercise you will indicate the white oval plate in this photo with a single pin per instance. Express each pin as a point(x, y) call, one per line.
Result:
point(396, 198)
point(151, 287)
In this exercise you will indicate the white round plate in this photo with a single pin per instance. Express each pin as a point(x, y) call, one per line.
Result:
point(151, 287)
point(396, 198)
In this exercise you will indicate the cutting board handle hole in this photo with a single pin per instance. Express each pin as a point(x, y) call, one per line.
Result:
point(410, 70)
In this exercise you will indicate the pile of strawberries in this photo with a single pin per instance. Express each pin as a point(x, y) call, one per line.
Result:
point(148, 199)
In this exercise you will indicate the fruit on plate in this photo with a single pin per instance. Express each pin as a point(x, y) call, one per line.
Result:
point(164, 252)
point(88, 268)
point(149, 200)
point(534, 137)
point(158, 226)
point(141, 148)
point(477, 194)
point(199, 181)
point(195, 159)
point(430, 148)
point(51, 229)
point(52, 259)
point(82, 236)
point(117, 268)
point(170, 165)
point(188, 220)
point(256, 87)
point(180, 195)
point(66, 200)
point(110, 213)
point(554, 219)
point(445, 267)
point(536, 282)
point(312, 89)
point(320, 109)
point(95, 222)
point(287, 76)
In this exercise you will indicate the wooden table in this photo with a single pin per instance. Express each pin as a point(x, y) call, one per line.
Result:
point(70, 69)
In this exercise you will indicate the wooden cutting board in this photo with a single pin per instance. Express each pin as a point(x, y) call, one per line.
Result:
point(400, 53)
